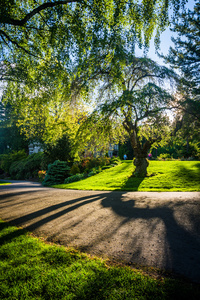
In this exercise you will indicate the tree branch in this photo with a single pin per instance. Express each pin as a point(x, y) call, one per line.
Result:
point(22, 22)
point(3, 34)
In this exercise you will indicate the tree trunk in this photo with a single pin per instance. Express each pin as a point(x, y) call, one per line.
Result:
point(141, 164)
point(140, 149)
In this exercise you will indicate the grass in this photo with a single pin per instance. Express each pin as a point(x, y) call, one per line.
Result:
point(162, 176)
point(4, 183)
point(32, 269)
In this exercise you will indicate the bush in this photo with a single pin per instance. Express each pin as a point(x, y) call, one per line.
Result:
point(56, 174)
point(115, 160)
point(90, 163)
point(61, 150)
point(41, 175)
point(27, 168)
point(6, 160)
point(106, 167)
point(75, 169)
point(164, 156)
point(74, 178)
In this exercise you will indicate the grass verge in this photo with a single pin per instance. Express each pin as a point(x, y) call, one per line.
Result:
point(162, 176)
point(32, 269)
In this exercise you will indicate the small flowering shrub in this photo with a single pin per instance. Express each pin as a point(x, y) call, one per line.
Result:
point(90, 163)
point(41, 175)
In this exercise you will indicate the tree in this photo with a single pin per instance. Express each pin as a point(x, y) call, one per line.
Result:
point(10, 137)
point(185, 56)
point(72, 28)
point(137, 96)
point(22, 22)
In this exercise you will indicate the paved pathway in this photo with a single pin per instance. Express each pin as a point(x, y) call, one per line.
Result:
point(152, 229)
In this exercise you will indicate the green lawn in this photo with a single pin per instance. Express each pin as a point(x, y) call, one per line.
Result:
point(162, 176)
point(31, 269)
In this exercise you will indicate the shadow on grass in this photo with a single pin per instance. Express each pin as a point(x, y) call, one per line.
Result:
point(132, 184)
point(12, 235)
point(188, 173)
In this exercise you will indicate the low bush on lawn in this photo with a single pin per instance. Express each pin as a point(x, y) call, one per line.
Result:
point(74, 178)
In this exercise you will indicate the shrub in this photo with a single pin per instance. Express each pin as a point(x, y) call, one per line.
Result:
point(41, 175)
point(61, 150)
point(106, 167)
point(164, 156)
point(56, 174)
point(115, 160)
point(75, 169)
point(6, 160)
point(90, 163)
point(27, 168)
point(74, 178)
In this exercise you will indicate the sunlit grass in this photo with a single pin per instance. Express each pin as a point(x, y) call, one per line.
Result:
point(32, 269)
point(162, 176)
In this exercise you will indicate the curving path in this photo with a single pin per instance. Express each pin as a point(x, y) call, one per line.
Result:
point(145, 228)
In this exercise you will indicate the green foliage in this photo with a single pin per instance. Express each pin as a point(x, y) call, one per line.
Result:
point(6, 160)
point(75, 169)
point(185, 55)
point(10, 137)
point(35, 25)
point(115, 160)
point(74, 178)
point(164, 156)
point(56, 173)
point(62, 149)
point(94, 171)
point(27, 168)
point(125, 148)
point(31, 268)
point(92, 162)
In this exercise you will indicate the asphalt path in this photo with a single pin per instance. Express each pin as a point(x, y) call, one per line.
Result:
point(139, 228)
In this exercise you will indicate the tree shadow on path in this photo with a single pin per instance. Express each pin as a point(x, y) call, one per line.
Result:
point(182, 246)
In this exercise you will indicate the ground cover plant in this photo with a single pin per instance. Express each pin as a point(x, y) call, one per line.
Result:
point(162, 176)
point(32, 269)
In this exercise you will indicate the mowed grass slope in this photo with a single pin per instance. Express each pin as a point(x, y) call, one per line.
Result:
point(32, 269)
point(162, 176)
